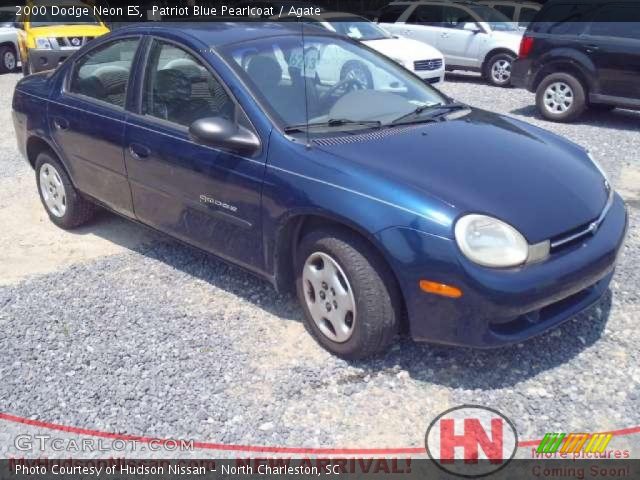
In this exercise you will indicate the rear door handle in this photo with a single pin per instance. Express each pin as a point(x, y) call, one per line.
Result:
point(139, 151)
point(444, 35)
point(60, 123)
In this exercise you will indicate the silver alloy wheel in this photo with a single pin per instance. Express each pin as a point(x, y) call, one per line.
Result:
point(558, 97)
point(501, 71)
point(9, 60)
point(329, 297)
point(53, 191)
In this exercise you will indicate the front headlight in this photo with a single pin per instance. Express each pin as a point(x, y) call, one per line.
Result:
point(43, 42)
point(490, 242)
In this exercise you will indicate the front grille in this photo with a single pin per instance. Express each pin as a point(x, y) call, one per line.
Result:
point(72, 42)
point(577, 234)
point(422, 65)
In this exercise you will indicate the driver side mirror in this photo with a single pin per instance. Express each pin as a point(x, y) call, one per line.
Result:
point(221, 133)
point(471, 27)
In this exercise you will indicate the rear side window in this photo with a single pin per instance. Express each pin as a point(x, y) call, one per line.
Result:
point(526, 16)
point(427, 15)
point(563, 19)
point(391, 13)
point(617, 21)
point(506, 10)
point(104, 73)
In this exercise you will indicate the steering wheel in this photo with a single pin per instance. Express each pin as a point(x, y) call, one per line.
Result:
point(348, 85)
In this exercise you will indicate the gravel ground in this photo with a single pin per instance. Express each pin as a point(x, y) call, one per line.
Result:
point(160, 340)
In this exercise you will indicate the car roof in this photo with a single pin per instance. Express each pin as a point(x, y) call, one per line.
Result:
point(218, 34)
point(417, 2)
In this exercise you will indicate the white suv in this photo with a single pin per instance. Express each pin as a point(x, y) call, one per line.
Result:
point(471, 36)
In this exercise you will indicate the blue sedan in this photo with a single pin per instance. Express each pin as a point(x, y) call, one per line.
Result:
point(387, 205)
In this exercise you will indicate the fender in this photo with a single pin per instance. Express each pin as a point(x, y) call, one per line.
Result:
point(568, 59)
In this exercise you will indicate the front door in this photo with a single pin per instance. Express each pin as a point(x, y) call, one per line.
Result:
point(87, 117)
point(461, 46)
point(201, 195)
point(613, 44)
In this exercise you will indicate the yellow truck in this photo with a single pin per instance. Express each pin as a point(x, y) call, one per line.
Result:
point(50, 31)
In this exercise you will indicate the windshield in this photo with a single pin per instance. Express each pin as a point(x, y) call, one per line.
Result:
point(496, 20)
point(335, 79)
point(47, 17)
point(359, 29)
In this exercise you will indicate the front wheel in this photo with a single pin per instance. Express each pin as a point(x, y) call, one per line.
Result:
point(498, 69)
point(350, 302)
point(560, 97)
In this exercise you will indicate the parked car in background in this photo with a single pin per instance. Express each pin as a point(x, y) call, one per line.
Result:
point(471, 36)
point(422, 59)
point(520, 12)
point(582, 54)
point(383, 209)
point(9, 44)
point(48, 39)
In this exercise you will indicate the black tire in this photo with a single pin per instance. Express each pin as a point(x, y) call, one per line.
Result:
point(377, 299)
point(8, 59)
point(502, 77)
point(360, 71)
point(577, 91)
point(78, 210)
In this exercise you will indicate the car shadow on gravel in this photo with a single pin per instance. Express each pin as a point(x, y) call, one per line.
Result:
point(466, 77)
point(618, 119)
point(454, 367)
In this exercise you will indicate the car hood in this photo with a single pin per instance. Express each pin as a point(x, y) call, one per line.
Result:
point(404, 49)
point(485, 163)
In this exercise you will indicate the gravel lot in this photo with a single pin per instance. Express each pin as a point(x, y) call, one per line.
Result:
point(115, 328)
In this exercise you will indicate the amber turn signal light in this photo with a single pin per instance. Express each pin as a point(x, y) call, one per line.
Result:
point(441, 289)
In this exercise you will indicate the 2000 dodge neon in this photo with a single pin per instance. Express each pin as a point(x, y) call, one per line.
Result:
point(386, 204)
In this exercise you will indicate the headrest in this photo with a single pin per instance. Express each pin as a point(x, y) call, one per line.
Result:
point(265, 71)
point(112, 78)
point(190, 68)
point(172, 85)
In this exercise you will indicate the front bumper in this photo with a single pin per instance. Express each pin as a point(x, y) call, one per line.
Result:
point(432, 77)
point(501, 307)
point(41, 60)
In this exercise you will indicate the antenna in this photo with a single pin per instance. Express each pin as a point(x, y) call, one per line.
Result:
point(304, 84)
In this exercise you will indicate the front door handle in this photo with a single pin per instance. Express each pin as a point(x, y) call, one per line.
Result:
point(444, 35)
point(591, 48)
point(60, 123)
point(138, 151)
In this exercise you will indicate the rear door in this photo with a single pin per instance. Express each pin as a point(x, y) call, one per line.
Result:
point(87, 117)
point(612, 41)
point(199, 194)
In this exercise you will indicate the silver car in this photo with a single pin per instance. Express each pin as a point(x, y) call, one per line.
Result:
point(471, 36)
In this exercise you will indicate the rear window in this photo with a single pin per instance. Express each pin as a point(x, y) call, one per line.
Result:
point(391, 13)
point(562, 18)
point(617, 21)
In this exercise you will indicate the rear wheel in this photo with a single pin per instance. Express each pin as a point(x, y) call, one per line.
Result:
point(351, 305)
point(63, 203)
point(8, 59)
point(560, 97)
point(497, 70)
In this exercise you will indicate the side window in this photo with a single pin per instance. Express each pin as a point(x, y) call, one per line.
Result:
point(427, 15)
point(179, 89)
point(526, 16)
point(103, 73)
point(508, 10)
point(617, 21)
point(391, 13)
point(563, 19)
point(456, 17)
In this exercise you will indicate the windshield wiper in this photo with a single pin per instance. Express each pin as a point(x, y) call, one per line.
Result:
point(332, 122)
point(438, 109)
